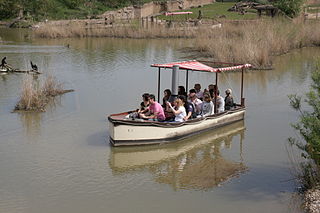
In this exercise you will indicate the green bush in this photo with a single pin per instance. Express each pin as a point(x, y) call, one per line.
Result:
point(308, 128)
point(291, 8)
point(60, 9)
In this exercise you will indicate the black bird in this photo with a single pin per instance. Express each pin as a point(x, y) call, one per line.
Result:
point(34, 66)
point(3, 62)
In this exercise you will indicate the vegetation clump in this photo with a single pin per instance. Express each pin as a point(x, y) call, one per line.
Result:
point(35, 97)
point(291, 8)
point(308, 141)
point(59, 9)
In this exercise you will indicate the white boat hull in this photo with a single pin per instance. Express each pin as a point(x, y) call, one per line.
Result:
point(124, 134)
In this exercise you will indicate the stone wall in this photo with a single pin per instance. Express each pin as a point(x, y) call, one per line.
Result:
point(152, 8)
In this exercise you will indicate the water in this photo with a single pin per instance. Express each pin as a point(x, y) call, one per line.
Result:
point(61, 161)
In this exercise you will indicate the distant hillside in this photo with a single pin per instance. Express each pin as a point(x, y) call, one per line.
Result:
point(59, 9)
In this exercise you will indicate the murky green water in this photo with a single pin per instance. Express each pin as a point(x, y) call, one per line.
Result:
point(61, 161)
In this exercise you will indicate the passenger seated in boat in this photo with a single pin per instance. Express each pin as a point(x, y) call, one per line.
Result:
point(228, 100)
point(182, 91)
point(190, 111)
point(197, 103)
point(144, 104)
point(220, 102)
point(207, 105)
point(210, 87)
point(155, 110)
point(199, 93)
point(166, 96)
point(178, 110)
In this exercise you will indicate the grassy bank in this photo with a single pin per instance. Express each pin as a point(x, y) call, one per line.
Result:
point(252, 42)
point(35, 97)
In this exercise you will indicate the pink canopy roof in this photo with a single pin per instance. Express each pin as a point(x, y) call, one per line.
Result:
point(197, 66)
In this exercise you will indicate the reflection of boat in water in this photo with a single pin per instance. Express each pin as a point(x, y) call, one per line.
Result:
point(125, 132)
point(195, 163)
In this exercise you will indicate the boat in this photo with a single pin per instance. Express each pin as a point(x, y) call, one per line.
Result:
point(4, 70)
point(128, 132)
point(198, 162)
point(8, 69)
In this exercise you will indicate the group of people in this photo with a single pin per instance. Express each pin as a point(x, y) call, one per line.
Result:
point(185, 106)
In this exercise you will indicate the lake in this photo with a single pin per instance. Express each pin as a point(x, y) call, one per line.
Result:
point(61, 160)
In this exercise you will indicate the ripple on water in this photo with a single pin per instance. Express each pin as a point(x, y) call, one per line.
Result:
point(20, 49)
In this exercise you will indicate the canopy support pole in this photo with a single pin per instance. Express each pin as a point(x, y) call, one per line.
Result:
point(187, 80)
point(242, 98)
point(215, 93)
point(159, 85)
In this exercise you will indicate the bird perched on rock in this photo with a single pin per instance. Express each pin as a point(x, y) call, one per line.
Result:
point(34, 66)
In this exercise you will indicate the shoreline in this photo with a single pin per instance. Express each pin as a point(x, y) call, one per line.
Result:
point(312, 200)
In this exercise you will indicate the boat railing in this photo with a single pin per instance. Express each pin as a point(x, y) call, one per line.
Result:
point(117, 119)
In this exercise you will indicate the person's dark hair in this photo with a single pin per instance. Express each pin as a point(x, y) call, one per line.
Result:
point(146, 96)
point(182, 90)
point(218, 92)
point(192, 91)
point(151, 96)
point(205, 96)
point(168, 91)
point(211, 92)
point(183, 98)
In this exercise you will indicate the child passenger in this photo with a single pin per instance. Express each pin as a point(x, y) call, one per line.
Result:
point(179, 111)
point(207, 105)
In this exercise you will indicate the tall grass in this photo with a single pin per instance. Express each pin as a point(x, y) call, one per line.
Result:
point(132, 30)
point(252, 42)
point(35, 96)
point(256, 43)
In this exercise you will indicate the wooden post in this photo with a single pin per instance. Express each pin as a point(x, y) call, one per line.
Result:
point(215, 93)
point(159, 73)
point(242, 99)
point(187, 80)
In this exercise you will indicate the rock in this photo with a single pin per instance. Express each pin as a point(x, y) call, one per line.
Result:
point(312, 201)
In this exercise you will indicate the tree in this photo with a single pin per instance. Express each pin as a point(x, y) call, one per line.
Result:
point(308, 128)
point(291, 8)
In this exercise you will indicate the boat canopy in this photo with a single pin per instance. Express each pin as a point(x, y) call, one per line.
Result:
point(198, 66)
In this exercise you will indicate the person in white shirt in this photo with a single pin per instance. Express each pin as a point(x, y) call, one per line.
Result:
point(220, 103)
point(179, 111)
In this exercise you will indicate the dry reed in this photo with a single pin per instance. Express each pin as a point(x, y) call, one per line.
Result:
point(120, 31)
point(35, 97)
point(256, 43)
point(252, 42)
